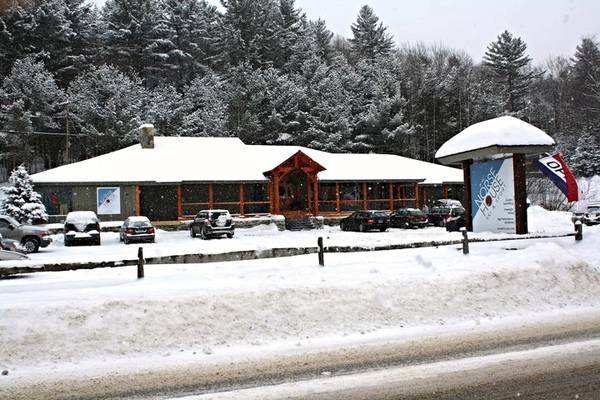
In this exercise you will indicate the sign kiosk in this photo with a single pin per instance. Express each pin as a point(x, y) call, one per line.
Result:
point(493, 154)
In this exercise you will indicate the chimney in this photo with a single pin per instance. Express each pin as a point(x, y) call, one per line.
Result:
point(146, 135)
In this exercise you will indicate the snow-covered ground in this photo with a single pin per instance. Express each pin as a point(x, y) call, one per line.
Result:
point(105, 319)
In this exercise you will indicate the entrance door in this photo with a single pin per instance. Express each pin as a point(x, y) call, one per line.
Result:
point(293, 193)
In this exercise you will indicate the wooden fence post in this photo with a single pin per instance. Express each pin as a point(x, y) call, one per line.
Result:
point(321, 251)
point(465, 242)
point(140, 266)
point(578, 230)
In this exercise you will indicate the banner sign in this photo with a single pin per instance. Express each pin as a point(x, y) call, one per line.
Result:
point(556, 169)
point(109, 200)
point(493, 197)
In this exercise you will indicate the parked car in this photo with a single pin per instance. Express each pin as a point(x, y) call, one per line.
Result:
point(82, 227)
point(11, 250)
point(366, 221)
point(438, 215)
point(592, 215)
point(29, 236)
point(454, 224)
point(137, 229)
point(408, 218)
point(212, 223)
point(447, 203)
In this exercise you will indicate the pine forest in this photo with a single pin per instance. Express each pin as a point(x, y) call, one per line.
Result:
point(77, 81)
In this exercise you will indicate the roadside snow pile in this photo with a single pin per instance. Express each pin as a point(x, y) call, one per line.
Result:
point(97, 317)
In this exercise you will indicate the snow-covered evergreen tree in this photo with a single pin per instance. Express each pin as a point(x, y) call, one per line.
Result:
point(370, 39)
point(22, 202)
point(107, 106)
point(507, 59)
point(31, 101)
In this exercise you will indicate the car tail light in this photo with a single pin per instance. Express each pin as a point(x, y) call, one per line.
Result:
point(129, 231)
point(389, 221)
point(371, 221)
point(151, 230)
point(207, 223)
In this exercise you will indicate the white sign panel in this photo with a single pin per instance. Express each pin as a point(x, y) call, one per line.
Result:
point(109, 200)
point(493, 197)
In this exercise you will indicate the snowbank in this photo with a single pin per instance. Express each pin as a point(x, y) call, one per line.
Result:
point(194, 312)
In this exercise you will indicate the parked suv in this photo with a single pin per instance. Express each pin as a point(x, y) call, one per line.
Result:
point(212, 223)
point(592, 215)
point(31, 237)
point(366, 221)
point(438, 215)
point(82, 227)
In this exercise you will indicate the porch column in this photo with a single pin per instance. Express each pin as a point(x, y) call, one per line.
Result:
point(276, 194)
point(316, 191)
point(241, 199)
point(337, 198)
point(365, 203)
point(308, 193)
point(417, 202)
point(179, 201)
point(210, 196)
point(137, 200)
point(391, 191)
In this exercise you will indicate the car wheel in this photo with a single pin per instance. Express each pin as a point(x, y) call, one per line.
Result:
point(125, 241)
point(362, 228)
point(342, 226)
point(31, 245)
point(203, 234)
point(97, 242)
point(442, 223)
point(230, 235)
point(192, 232)
point(383, 229)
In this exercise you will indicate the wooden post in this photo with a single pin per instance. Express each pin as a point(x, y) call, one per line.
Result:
point(321, 251)
point(578, 230)
point(316, 194)
point(140, 267)
point(365, 191)
point(137, 200)
point(242, 199)
point(337, 197)
point(520, 194)
point(466, 166)
point(179, 212)
point(465, 242)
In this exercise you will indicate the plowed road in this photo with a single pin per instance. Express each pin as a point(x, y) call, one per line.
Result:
point(535, 360)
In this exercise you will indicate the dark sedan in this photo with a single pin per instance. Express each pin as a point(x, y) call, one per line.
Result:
point(137, 229)
point(366, 221)
point(408, 218)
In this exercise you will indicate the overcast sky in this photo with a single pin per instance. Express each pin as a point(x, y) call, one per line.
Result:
point(549, 27)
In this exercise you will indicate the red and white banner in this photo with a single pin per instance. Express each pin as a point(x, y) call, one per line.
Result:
point(556, 169)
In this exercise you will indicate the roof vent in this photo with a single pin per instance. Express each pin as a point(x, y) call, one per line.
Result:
point(146, 135)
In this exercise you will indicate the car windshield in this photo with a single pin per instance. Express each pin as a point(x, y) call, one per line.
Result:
point(416, 213)
point(140, 224)
point(594, 209)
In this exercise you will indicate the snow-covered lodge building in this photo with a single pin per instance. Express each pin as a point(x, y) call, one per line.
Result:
point(172, 178)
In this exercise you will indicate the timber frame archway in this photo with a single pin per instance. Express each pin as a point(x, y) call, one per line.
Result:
point(295, 187)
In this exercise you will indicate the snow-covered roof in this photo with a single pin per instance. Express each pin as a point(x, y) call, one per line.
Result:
point(202, 159)
point(495, 136)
